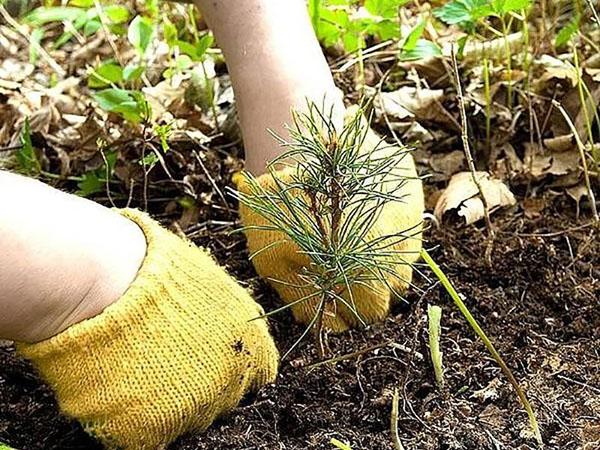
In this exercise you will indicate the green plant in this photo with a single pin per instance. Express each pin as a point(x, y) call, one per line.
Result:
point(131, 105)
point(486, 341)
point(27, 160)
point(335, 193)
point(414, 47)
point(340, 22)
point(476, 15)
point(94, 181)
point(81, 16)
point(351, 22)
point(434, 317)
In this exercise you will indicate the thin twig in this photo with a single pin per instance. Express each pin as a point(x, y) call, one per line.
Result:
point(465, 140)
point(11, 148)
point(594, 12)
point(107, 34)
point(347, 356)
point(394, 422)
point(212, 181)
point(581, 147)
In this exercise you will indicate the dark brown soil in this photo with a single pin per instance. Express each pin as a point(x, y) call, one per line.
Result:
point(538, 300)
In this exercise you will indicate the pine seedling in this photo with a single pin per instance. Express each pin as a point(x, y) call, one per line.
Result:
point(332, 193)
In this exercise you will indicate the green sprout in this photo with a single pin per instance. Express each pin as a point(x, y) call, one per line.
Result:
point(434, 317)
point(439, 273)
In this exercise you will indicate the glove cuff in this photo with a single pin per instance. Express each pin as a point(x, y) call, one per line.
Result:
point(175, 351)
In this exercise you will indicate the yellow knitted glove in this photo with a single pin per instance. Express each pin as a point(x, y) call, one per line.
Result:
point(176, 351)
point(282, 264)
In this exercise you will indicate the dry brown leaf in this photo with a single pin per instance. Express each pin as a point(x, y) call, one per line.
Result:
point(577, 192)
point(560, 143)
point(447, 164)
point(536, 163)
point(461, 197)
point(555, 69)
point(410, 102)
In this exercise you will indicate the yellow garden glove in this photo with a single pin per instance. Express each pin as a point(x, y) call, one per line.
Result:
point(176, 351)
point(282, 264)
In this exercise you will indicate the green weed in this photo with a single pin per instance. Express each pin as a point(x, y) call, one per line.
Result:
point(486, 341)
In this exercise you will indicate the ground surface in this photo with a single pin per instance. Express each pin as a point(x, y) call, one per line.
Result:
point(538, 300)
point(535, 287)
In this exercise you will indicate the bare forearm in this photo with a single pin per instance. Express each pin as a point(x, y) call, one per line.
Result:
point(275, 63)
point(58, 250)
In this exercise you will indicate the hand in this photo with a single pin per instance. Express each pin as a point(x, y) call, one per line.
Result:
point(283, 263)
point(178, 349)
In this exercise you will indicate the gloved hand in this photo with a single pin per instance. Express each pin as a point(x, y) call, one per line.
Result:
point(176, 351)
point(281, 264)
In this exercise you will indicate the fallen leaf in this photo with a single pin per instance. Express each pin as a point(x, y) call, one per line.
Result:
point(577, 193)
point(411, 102)
point(560, 143)
point(447, 164)
point(535, 162)
point(461, 197)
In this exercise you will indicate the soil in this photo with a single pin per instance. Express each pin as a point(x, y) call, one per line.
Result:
point(536, 296)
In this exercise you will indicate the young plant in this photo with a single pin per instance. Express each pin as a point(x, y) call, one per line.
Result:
point(333, 192)
point(474, 15)
point(486, 341)
point(434, 318)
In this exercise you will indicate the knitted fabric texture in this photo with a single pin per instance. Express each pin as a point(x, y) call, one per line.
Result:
point(176, 351)
point(281, 264)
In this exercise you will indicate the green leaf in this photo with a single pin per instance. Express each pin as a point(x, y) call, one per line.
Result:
point(203, 44)
point(332, 26)
point(567, 32)
point(132, 72)
point(149, 160)
point(105, 75)
point(94, 181)
point(314, 11)
point(387, 9)
point(164, 132)
point(183, 62)
point(37, 34)
point(26, 157)
point(387, 29)
point(5, 447)
point(170, 33)
point(411, 40)
point(195, 52)
point(352, 42)
point(82, 3)
point(423, 49)
point(130, 104)
point(91, 26)
point(43, 15)
point(140, 33)
point(117, 13)
point(463, 11)
point(90, 184)
point(506, 6)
